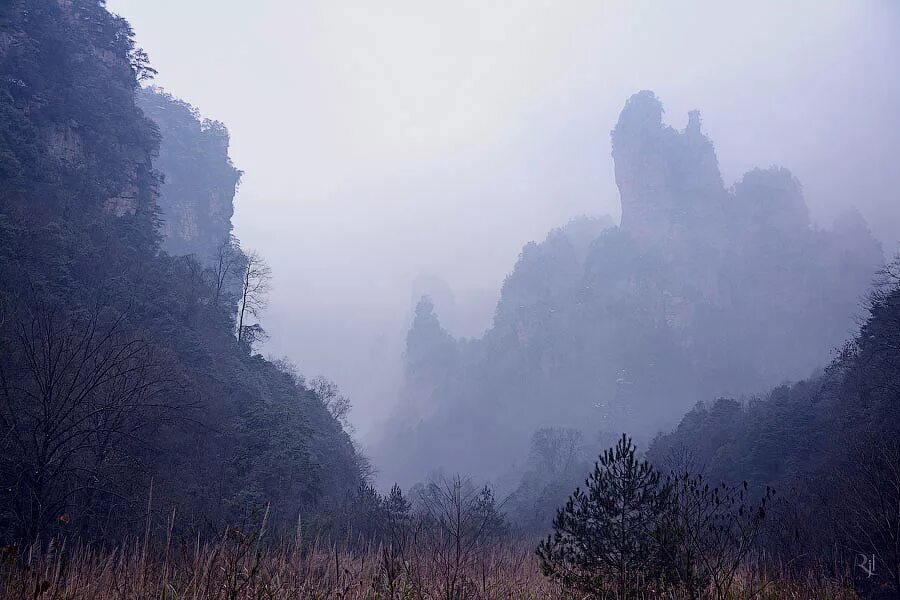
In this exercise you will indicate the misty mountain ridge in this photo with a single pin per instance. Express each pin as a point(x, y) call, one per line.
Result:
point(702, 291)
point(148, 449)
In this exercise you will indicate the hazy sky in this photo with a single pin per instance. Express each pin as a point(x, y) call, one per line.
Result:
point(385, 141)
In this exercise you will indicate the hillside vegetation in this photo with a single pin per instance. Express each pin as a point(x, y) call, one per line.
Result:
point(123, 356)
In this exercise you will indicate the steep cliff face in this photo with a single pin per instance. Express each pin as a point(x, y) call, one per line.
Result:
point(547, 274)
point(432, 357)
point(701, 291)
point(196, 198)
point(668, 180)
point(71, 138)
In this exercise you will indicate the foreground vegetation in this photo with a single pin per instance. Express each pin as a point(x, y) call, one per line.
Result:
point(629, 535)
point(236, 567)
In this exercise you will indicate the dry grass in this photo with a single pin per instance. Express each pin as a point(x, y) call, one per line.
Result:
point(238, 568)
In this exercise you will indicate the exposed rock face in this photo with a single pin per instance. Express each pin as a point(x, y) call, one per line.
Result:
point(432, 356)
point(667, 179)
point(196, 198)
point(64, 145)
point(57, 155)
point(702, 291)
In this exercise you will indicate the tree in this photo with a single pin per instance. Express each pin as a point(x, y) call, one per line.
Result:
point(330, 395)
point(555, 466)
point(398, 512)
point(225, 270)
point(366, 514)
point(255, 285)
point(488, 512)
point(454, 531)
point(707, 533)
point(77, 390)
point(605, 538)
point(397, 506)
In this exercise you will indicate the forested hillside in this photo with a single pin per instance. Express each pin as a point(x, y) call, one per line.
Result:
point(122, 381)
point(809, 430)
point(830, 444)
point(702, 291)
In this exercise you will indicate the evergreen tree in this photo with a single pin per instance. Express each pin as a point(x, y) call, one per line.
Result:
point(604, 538)
point(396, 505)
point(492, 519)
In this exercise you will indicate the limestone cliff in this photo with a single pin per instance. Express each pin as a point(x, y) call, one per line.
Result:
point(71, 138)
point(668, 180)
point(701, 291)
point(153, 390)
point(196, 198)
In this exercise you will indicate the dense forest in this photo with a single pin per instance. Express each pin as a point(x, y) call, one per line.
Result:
point(148, 448)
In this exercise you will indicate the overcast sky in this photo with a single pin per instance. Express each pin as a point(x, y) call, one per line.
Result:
point(385, 142)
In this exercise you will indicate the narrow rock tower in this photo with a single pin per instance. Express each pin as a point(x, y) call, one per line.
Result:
point(668, 180)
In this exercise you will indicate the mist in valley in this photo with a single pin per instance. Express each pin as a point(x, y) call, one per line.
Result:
point(470, 300)
point(398, 150)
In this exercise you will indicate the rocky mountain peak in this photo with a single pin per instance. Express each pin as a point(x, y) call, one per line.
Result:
point(667, 179)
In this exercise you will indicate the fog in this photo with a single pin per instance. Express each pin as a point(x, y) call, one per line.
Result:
point(398, 148)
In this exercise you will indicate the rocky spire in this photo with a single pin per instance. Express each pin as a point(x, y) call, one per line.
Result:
point(667, 179)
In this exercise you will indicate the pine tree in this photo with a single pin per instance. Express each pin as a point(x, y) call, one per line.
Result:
point(491, 520)
point(605, 538)
point(397, 506)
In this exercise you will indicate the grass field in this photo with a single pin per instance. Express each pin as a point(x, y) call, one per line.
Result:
point(237, 567)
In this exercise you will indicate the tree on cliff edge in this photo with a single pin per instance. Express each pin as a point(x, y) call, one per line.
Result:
point(255, 285)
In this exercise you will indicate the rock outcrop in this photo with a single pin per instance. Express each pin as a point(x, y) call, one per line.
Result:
point(701, 291)
point(668, 180)
point(83, 162)
point(196, 198)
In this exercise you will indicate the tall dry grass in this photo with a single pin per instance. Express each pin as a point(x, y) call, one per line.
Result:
point(238, 567)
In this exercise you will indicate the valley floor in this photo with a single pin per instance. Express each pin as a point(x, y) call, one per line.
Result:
point(237, 568)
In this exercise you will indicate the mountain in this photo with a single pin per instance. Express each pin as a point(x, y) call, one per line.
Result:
point(806, 429)
point(196, 196)
point(703, 290)
point(121, 381)
point(829, 446)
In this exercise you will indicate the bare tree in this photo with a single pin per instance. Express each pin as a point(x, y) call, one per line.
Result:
point(76, 391)
point(555, 449)
point(255, 285)
point(225, 268)
point(707, 533)
point(456, 530)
